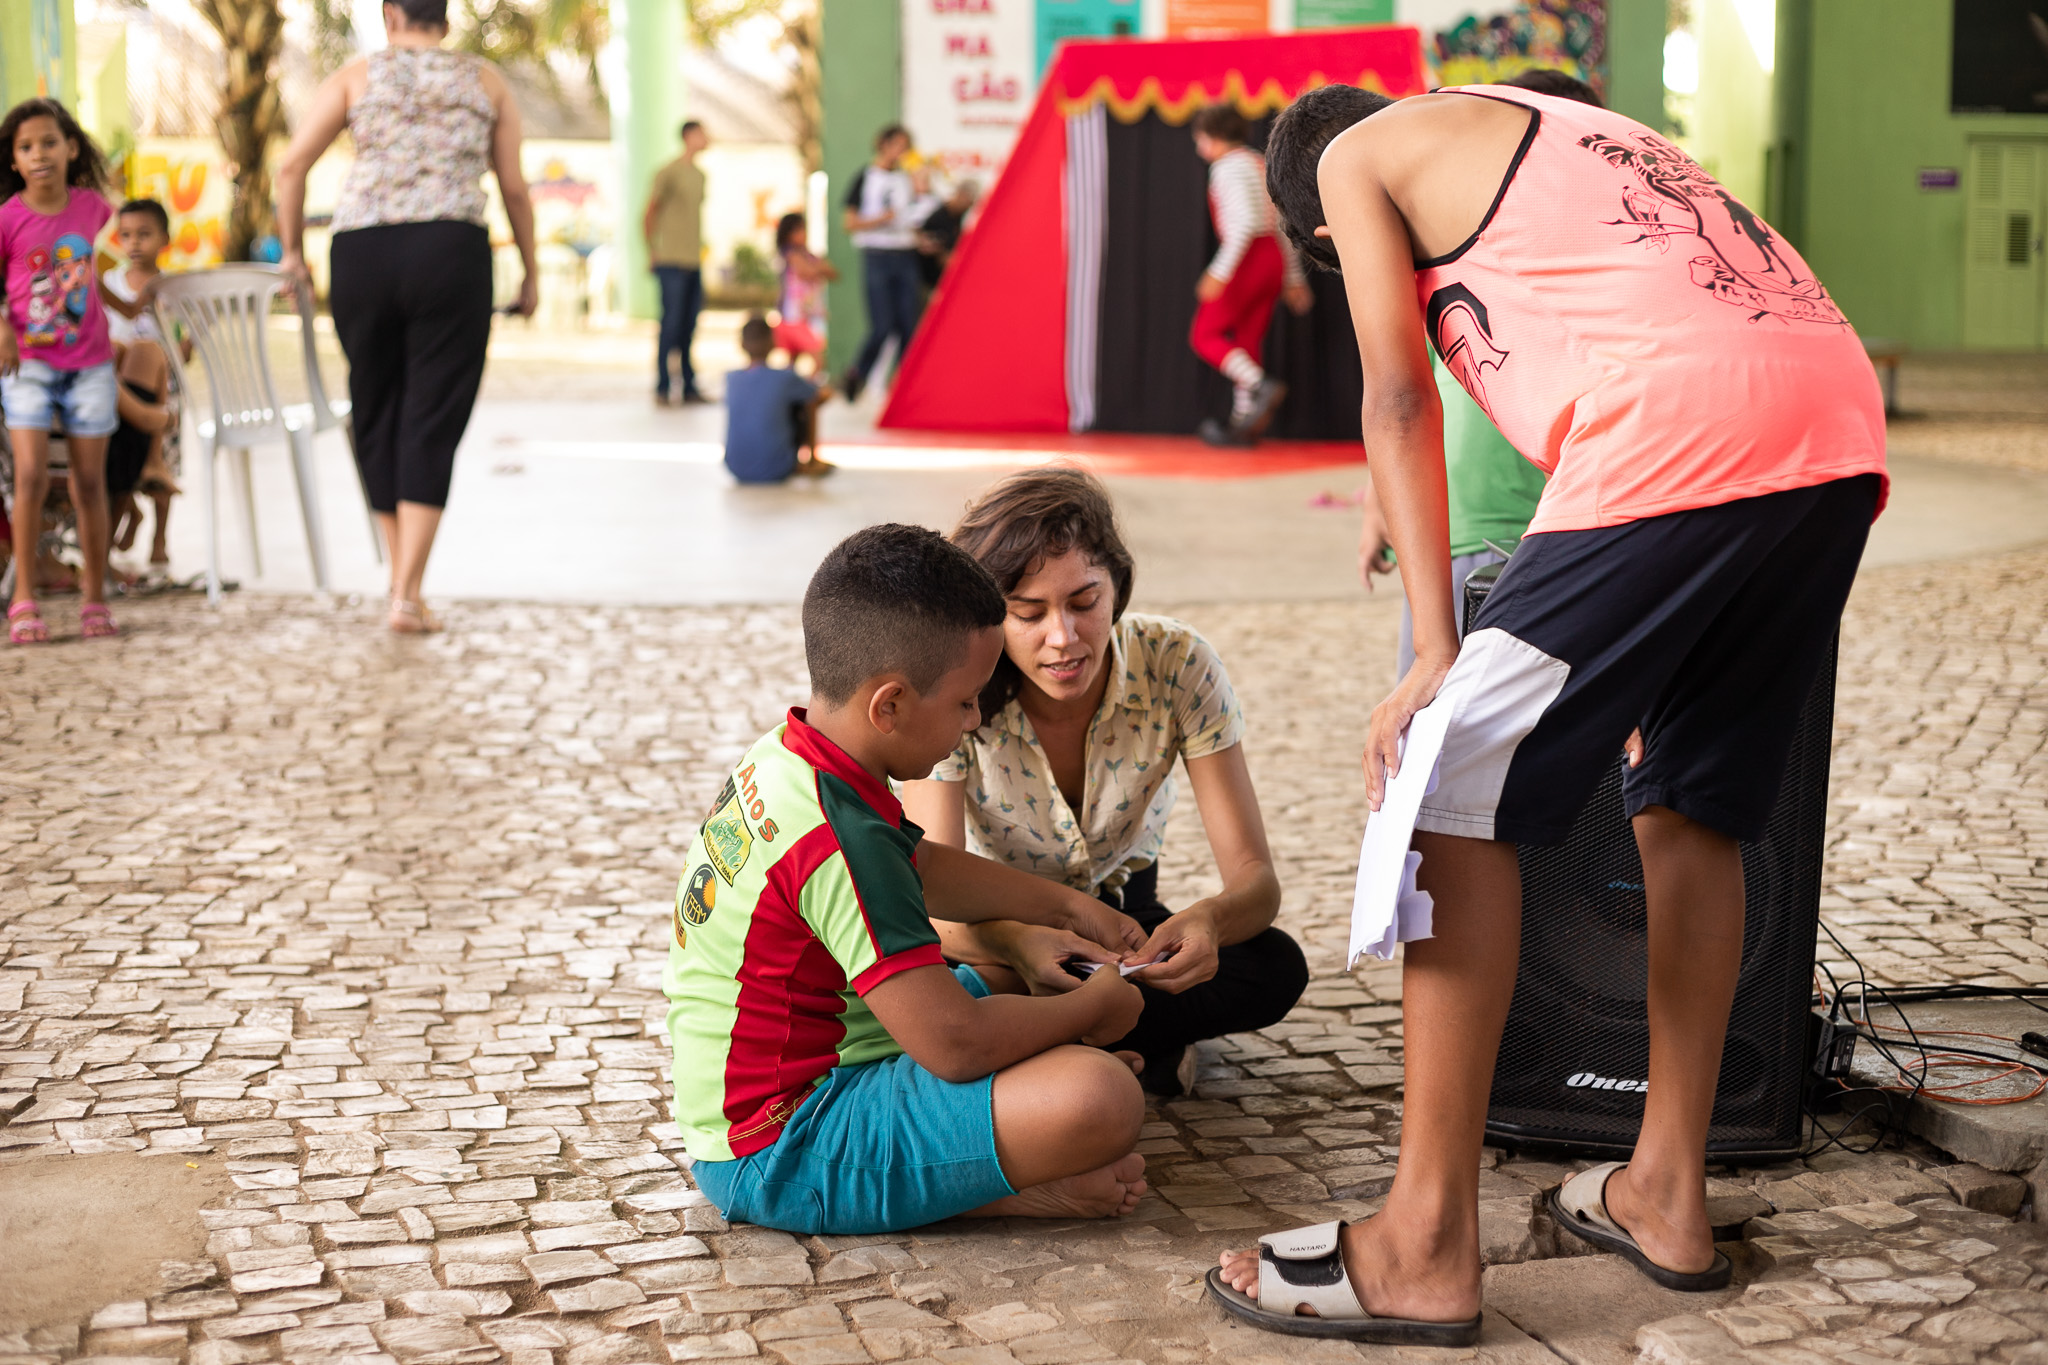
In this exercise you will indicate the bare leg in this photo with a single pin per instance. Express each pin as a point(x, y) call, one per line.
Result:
point(1419, 1258)
point(88, 456)
point(410, 537)
point(1693, 878)
point(160, 544)
point(1066, 1121)
point(31, 491)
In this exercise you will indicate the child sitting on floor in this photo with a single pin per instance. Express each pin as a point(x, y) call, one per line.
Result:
point(832, 1074)
point(141, 452)
point(771, 415)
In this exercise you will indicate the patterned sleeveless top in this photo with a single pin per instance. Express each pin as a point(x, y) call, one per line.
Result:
point(423, 141)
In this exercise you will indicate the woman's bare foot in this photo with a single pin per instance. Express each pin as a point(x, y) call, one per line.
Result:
point(1439, 1287)
point(1108, 1192)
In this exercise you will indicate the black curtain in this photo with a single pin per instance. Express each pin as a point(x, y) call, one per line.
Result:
point(1158, 240)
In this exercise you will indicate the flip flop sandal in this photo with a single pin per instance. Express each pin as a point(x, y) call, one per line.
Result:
point(1305, 1268)
point(25, 625)
point(95, 622)
point(1580, 1207)
point(421, 621)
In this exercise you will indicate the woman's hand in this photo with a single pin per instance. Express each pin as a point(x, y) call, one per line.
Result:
point(1390, 722)
point(529, 296)
point(1189, 943)
point(292, 265)
point(1208, 289)
point(1092, 920)
point(1040, 955)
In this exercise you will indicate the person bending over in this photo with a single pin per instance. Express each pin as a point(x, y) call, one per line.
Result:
point(1715, 443)
point(831, 1074)
point(1252, 269)
point(1492, 489)
point(771, 415)
point(1070, 777)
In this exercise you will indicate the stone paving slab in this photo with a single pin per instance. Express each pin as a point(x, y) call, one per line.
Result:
point(376, 925)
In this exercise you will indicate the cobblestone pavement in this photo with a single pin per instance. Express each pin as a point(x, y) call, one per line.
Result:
point(375, 926)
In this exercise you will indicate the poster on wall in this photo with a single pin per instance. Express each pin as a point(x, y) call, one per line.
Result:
point(1342, 13)
point(1473, 44)
point(1216, 18)
point(1062, 19)
point(968, 81)
point(188, 176)
point(2000, 64)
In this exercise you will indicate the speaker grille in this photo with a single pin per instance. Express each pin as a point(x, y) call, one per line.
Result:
point(1577, 1023)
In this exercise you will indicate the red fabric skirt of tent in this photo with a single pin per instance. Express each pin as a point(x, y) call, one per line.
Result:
point(991, 352)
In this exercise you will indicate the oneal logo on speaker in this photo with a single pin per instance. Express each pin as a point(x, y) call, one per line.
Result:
point(1586, 1080)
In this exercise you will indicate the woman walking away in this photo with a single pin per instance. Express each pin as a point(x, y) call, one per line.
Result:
point(411, 264)
point(55, 359)
point(1070, 777)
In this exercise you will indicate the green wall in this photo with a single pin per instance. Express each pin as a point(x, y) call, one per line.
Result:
point(19, 51)
point(863, 77)
point(1876, 112)
point(1635, 60)
point(1732, 112)
point(646, 126)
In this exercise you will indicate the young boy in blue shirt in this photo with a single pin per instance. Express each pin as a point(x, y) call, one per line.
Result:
point(771, 415)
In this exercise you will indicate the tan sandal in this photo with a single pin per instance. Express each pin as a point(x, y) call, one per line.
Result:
point(413, 618)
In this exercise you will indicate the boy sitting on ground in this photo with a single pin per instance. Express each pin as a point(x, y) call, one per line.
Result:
point(137, 458)
point(771, 415)
point(832, 1075)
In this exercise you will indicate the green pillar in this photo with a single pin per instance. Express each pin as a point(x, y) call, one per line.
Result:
point(645, 126)
point(863, 77)
point(1635, 60)
point(1791, 114)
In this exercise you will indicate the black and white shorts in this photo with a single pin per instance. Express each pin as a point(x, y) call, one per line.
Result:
point(1704, 627)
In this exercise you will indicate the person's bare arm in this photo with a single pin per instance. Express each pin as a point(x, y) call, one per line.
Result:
point(649, 218)
point(959, 1038)
point(1402, 419)
point(1250, 897)
point(319, 125)
point(964, 887)
point(505, 140)
point(1035, 952)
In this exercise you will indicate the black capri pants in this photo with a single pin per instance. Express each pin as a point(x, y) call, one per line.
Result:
point(412, 307)
point(1256, 983)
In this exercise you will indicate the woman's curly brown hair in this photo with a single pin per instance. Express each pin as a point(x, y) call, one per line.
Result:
point(1029, 518)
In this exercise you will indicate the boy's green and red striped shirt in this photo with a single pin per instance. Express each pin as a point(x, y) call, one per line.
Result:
point(802, 897)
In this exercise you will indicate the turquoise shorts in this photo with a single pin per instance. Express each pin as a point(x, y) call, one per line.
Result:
point(876, 1148)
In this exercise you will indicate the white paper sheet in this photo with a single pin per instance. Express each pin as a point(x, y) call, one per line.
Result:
point(1386, 906)
point(1126, 969)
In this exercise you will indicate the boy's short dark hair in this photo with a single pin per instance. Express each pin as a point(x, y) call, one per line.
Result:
point(757, 338)
point(890, 130)
point(690, 126)
point(1222, 122)
point(894, 599)
point(1293, 150)
point(151, 209)
point(1546, 80)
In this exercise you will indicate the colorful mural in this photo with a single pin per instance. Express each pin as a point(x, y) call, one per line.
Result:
point(1569, 35)
point(190, 179)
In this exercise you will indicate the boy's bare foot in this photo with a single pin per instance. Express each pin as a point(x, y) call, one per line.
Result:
point(1390, 1280)
point(1108, 1192)
point(1132, 1060)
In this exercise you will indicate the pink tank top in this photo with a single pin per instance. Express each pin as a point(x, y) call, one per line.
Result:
point(1641, 335)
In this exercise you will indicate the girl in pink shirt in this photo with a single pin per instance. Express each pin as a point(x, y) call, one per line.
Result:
point(55, 359)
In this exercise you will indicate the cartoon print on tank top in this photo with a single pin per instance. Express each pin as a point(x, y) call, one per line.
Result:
point(1679, 199)
point(1463, 338)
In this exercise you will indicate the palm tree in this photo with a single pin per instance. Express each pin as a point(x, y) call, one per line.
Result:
point(251, 116)
point(801, 38)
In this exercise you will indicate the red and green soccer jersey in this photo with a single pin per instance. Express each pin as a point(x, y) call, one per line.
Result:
point(802, 898)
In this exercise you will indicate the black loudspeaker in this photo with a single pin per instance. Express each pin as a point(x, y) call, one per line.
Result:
point(1576, 1052)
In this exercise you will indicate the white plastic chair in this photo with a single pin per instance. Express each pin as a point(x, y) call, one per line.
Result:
point(226, 312)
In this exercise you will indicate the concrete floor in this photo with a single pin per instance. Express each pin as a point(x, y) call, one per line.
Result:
point(615, 502)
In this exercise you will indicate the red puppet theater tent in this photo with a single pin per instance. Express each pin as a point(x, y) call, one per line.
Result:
point(1067, 306)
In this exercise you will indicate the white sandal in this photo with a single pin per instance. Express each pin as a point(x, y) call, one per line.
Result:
point(1579, 1206)
point(1305, 1269)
